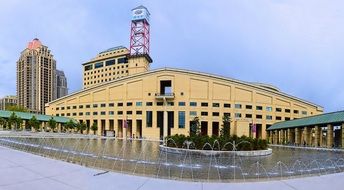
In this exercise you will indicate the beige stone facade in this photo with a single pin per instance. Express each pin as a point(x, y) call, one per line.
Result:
point(164, 101)
point(113, 64)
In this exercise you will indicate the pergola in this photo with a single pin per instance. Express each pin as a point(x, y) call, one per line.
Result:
point(325, 130)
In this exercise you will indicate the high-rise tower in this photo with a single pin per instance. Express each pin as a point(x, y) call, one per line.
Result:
point(36, 77)
point(139, 41)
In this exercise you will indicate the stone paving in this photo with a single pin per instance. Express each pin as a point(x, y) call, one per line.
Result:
point(20, 170)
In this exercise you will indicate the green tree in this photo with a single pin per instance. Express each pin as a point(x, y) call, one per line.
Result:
point(34, 123)
point(226, 126)
point(83, 127)
point(94, 128)
point(3, 122)
point(12, 120)
point(52, 124)
point(195, 127)
point(19, 122)
point(16, 108)
point(70, 125)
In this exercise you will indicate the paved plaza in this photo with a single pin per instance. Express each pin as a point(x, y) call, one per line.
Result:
point(20, 170)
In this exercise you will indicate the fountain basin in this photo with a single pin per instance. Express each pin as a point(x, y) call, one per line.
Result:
point(215, 153)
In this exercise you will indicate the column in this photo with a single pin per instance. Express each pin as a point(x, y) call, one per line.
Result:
point(342, 135)
point(289, 139)
point(317, 136)
point(329, 136)
point(308, 135)
point(270, 137)
point(297, 136)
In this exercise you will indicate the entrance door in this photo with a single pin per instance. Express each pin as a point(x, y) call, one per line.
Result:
point(170, 122)
point(204, 128)
point(139, 128)
point(215, 129)
point(160, 123)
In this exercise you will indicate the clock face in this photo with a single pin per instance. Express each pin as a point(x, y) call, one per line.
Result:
point(138, 12)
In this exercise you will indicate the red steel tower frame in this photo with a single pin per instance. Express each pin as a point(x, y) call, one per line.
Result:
point(139, 33)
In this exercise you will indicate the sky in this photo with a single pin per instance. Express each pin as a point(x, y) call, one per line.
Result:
point(292, 44)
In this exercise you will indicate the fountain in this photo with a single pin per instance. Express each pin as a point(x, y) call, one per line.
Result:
point(140, 157)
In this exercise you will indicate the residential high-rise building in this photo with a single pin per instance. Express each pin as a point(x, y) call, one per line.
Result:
point(7, 101)
point(36, 77)
point(61, 84)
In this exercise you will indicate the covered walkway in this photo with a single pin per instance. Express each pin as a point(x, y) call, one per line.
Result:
point(325, 130)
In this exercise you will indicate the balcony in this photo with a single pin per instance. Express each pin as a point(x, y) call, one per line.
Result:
point(164, 95)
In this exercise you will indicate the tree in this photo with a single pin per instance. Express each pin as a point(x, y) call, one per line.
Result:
point(82, 127)
point(12, 120)
point(19, 122)
point(52, 124)
point(70, 125)
point(16, 108)
point(226, 126)
point(195, 127)
point(34, 123)
point(94, 128)
point(3, 122)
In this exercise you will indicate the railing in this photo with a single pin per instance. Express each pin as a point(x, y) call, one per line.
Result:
point(166, 95)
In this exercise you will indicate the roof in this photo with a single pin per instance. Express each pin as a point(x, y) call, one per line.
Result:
point(253, 85)
point(113, 49)
point(39, 117)
point(327, 118)
point(140, 7)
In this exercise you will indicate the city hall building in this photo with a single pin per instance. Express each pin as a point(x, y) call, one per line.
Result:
point(162, 102)
point(121, 94)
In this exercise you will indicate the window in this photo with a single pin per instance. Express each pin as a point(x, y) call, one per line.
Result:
point(170, 103)
point(287, 118)
point(129, 103)
point(68, 114)
point(181, 119)
point(81, 106)
point(95, 113)
point(216, 114)
point(193, 113)
point(296, 111)
point(57, 108)
point(98, 65)
point(111, 113)
point(102, 105)
point(237, 115)
point(304, 112)
point(95, 105)
point(88, 67)
point(88, 113)
point(129, 112)
point(120, 104)
point(149, 118)
point(138, 112)
point(149, 103)
point(122, 60)
point(111, 105)
point(269, 117)
point(68, 107)
point(203, 113)
point(226, 105)
point(287, 110)
point(278, 109)
point(181, 103)
point(259, 108)
point(238, 106)
point(259, 116)
point(74, 107)
point(160, 103)
point(193, 104)
point(248, 115)
point(249, 107)
point(119, 112)
point(216, 105)
point(110, 62)
point(103, 113)
point(204, 104)
point(227, 114)
point(81, 114)
point(268, 108)
point(138, 103)
point(88, 106)
point(278, 118)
